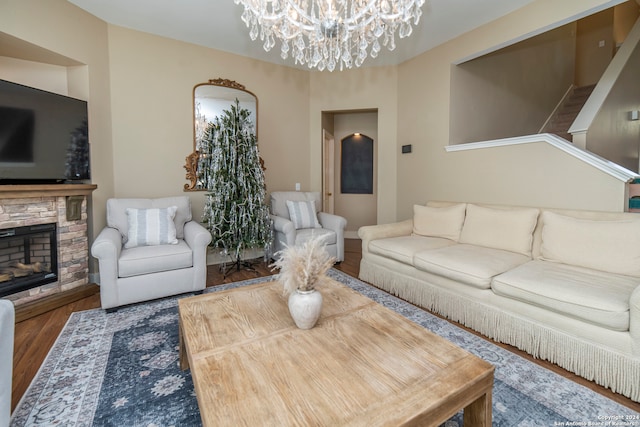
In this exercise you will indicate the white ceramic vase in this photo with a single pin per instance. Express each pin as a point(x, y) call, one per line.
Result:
point(305, 308)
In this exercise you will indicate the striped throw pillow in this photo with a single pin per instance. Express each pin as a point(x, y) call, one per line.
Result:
point(150, 227)
point(303, 214)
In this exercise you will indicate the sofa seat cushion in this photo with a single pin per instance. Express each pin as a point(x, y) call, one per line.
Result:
point(328, 236)
point(153, 259)
point(403, 248)
point(590, 295)
point(468, 264)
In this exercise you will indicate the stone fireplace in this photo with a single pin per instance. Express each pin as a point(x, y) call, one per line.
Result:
point(44, 247)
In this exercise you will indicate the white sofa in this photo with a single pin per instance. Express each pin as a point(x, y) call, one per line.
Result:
point(561, 285)
point(7, 328)
point(149, 269)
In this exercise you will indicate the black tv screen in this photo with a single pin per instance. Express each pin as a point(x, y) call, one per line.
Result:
point(44, 136)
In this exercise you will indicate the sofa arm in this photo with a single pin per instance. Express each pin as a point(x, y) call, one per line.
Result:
point(332, 222)
point(283, 226)
point(373, 232)
point(7, 328)
point(634, 321)
point(198, 239)
point(337, 224)
point(107, 248)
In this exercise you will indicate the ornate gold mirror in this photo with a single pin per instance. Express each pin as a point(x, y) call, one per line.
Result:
point(210, 100)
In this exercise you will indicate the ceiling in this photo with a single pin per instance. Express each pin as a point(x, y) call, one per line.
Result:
point(216, 24)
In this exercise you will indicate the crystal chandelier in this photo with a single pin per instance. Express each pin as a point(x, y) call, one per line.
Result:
point(330, 33)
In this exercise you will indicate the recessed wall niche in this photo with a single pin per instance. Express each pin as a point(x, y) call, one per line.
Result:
point(356, 167)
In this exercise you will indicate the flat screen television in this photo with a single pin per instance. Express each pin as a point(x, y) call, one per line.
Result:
point(44, 137)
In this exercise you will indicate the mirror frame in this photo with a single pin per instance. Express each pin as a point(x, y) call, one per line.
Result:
point(191, 164)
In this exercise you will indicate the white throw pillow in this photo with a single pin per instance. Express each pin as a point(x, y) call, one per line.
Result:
point(445, 222)
point(509, 229)
point(612, 246)
point(303, 214)
point(150, 227)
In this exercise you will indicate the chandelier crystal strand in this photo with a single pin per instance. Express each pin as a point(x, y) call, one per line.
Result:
point(326, 34)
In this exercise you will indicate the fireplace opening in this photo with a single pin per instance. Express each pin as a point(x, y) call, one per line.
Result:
point(28, 257)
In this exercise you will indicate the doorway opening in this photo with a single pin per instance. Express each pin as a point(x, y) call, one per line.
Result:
point(358, 209)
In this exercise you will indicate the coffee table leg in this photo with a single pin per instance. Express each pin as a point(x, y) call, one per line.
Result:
point(479, 412)
point(184, 360)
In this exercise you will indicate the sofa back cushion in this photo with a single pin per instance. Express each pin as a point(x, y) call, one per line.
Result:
point(117, 214)
point(445, 222)
point(151, 227)
point(303, 214)
point(279, 201)
point(508, 229)
point(612, 246)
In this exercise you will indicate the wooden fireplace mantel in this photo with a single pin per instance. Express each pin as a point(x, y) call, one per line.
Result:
point(20, 191)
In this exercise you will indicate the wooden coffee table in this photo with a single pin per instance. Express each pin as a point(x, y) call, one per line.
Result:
point(361, 365)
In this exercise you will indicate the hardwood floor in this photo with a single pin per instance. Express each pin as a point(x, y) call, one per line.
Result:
point(35, 336)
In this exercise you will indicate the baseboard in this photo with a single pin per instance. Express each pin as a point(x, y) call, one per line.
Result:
point(53, 301)
point(351, 234)
point(94, 278)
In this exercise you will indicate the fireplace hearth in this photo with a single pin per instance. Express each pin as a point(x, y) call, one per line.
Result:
point(28, 257)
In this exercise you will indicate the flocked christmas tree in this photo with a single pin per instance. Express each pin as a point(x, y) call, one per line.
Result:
point(235, 211)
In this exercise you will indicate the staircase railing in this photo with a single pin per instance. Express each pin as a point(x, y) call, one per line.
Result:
point(555, 110)
point(580, 127)
point(610, 168)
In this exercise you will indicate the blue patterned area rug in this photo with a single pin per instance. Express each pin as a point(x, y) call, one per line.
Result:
point(121, 369)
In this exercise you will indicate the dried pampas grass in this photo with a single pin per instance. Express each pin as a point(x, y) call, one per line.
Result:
point(303, 267)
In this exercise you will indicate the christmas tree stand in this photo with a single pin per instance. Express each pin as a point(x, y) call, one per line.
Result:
point(237, 265)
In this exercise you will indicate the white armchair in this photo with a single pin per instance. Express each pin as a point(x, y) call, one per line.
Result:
point(7, 329)
point(150, 249)
point(291, 231)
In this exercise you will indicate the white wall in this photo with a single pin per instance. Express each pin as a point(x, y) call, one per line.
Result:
point(361, 89)
point(145, 82)
point(612, 134)
point(152, 112)
point(524, 174)
point(52, 78)
point(513, 91)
